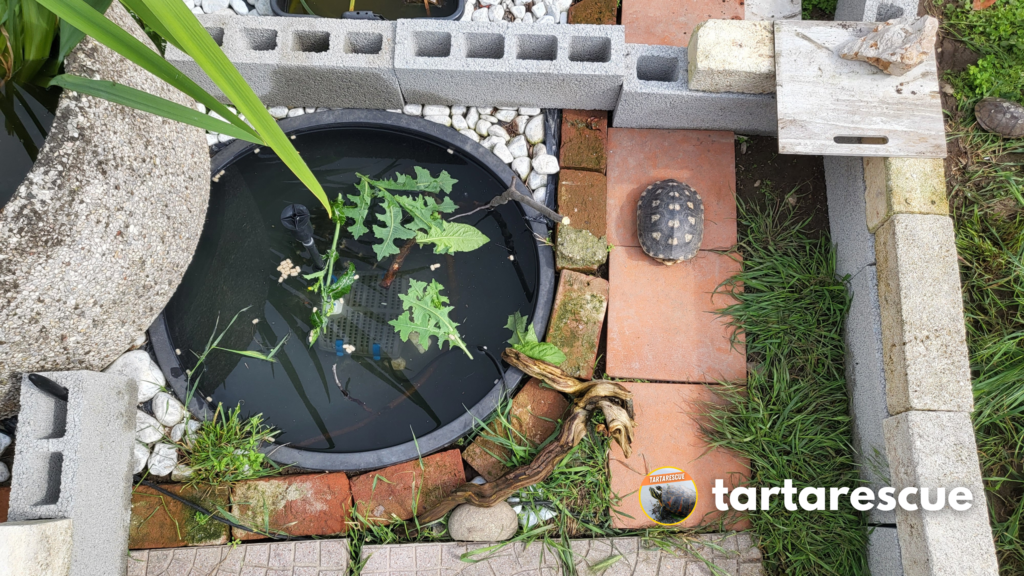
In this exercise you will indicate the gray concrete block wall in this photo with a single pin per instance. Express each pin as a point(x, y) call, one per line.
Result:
point(884, 552)
point(655, 94)
point(326, 62)
point(847, 214)
point(74, 460)
point(505, 64)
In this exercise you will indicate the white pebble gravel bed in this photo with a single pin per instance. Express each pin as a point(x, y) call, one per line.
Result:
point(521, 11)
point(515, 135)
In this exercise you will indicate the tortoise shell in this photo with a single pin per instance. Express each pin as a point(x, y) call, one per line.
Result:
point(675, 499)
point(1000, 116)
point(670, 221)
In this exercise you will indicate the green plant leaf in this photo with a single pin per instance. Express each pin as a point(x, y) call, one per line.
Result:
point(128, 96)
point(71, 36)
point(361, 209)
point(453, 237)
point(423, 212)
point(422, 182)
point(521, 332)
point(427, 315)
point(392, 230)
point(38, 29)
point(543, 351)
point(343, 285)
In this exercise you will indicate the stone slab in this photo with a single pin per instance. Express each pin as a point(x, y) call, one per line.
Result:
point(670, 22)
point(875, 10)
point(159, 521)
point(668, 419)
point(923, 335)
point(759, 10)
point(298, 505)
point(865, 384)
point(655, 94)
point(662, 320)
point(577, 318)
point(845, 188)
point(503, 64)
point(884, 552)
point(399, 490)
point(704, 160)
point(603, 12)
point(75, 460)
point(582, 145)
point(937, 450)
point(904, 186)
point(534, 414)
point(583, 197)
point(579, 250)
point(326, 62)
point(324, 557)
point(732, 56)
point(36, 548)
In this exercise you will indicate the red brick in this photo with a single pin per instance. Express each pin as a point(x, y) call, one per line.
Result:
point(299, 505)
point(583, 197)
point(705, 160)
point(576, 320)
point(670, 22)
point(534, 415)
point(5, 501)
point(390, 491)
point(159, 521)
point(668, 418)
point(594, 12)
point(584, 137)
point(662, 321)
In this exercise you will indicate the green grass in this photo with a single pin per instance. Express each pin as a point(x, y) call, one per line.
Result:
point(997, 34)
point(226, 449)
point(791, 418)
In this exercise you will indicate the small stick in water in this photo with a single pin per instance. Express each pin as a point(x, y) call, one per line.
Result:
point(396, 264)
point(345, 392)
point(513, 194)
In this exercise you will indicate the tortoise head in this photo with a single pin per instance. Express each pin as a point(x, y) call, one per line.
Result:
point(655, 492)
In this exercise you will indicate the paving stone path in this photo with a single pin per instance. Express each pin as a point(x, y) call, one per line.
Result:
point(734, 554)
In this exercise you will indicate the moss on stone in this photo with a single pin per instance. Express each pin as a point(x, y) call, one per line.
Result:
point(580, 250)
point(576, 327)
point(196, 531)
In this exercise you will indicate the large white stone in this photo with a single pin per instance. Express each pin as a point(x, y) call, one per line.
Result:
point(536, 181)
point(278, 112)
point(545, 164)
point(895, 47)
point(490, 142)
point(482, 127)
point(501, 151)
point(472, 117)
point(147, 429)
point(732, 56)
point(500, 132)
point(140, 456)
point(167, 409)
point(534, 131)
point(240, 6)
point(459, 122)
point(518, 147)
point(459, 110)
point(505, 115)
point(480, 15)
point(469, 523)
point(521, 166)
point(211, 6)
point(496, 13)
point(163, 459)
point(139, 366)
point(436, 110)
point(413, 109)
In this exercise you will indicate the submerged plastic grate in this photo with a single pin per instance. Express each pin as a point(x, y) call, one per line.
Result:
point(364, 318)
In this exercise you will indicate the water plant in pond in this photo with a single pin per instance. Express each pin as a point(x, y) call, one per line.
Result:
point(524, 339)
point(426, 314)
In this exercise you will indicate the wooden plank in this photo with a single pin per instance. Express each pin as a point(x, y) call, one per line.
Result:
point(822, 97)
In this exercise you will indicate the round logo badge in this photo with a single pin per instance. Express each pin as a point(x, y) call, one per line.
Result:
point(668, 496)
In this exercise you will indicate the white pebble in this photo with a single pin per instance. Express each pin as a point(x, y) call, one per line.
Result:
point(240, 6)
point(483, 110)
point(395, 110)
point(5, 441)
point(140, 456)
point(438, 119)
point(490, 118)
point(529, 111)
point(521, 166)
point(278, 111)
point(201, 107)
point(413, 109)
point(480, 15)
point(458, 110)
point(467, 14)
point(490, 142)
point(434, 267)
point(546, 20)
point(472, 135)
point(211, 6)
point(482, 127)
point(563, 18)
point(296, 112)
point(434, 110)
point(5, 473)
point(181, 473)
point(519, 11)
point(505, 115)
point(197, 11)
point(520, 123)
point(167, 409)
point(501, 151)
point(310, 109)
point(518, 147)
point(545, 164)
point(472, 117)
point(224, 138)
point(541, 194)
point(539, 150)
point(538, 10)
point(528, 19)
point(163, 459)
point(536, 181)
point(211, 139)
point(459, 122)
point(534, 131)
point(499, 132)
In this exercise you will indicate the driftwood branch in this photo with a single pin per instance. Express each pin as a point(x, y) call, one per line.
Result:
point(514, 195)
point(396, 264)
point(610, 397)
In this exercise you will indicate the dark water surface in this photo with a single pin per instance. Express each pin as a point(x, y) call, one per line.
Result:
point(381, 402)
point(387, 9)
point(27, 114)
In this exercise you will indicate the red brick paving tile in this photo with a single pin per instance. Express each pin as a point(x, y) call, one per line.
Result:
point(300, 505)
point(159, 521)
point(534, 414)
point(703, 159)
point(5, 501)
point(583, 197)
point(595, 12)
point(661, 319)
point(576, 321)
point(390, 491)
point(670, 22)
point(668, 434)
point(583, 141)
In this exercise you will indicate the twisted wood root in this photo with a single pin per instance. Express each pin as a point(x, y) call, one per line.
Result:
point(614, 401)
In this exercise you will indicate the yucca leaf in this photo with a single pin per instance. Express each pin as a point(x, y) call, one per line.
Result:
point(39, 26)
point(128, 96)
point(71, 36)
point(84, 17)
point(195, 41)
point(146, 15)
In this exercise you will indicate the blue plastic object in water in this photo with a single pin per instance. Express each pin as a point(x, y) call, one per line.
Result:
point(376, 351)
point(339, 347)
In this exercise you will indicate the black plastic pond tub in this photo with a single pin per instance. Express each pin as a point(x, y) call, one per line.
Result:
point(280, 8)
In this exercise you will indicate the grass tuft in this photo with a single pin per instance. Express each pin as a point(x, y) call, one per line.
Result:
point(225, 449)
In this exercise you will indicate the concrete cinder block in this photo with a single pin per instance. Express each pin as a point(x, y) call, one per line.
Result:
point(884, 552)
point(574, 66)
point(903, 186)
point(865, 383)
point(924, 340)
point(937, 450)
point(35, 548)
point(656, 94)
point(74, 460)
point(875, 10)
point(732, 56)
point(328, 62)
point(845, 187)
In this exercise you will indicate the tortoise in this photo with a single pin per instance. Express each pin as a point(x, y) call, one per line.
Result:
point(670, 221)
point(674, 502)
point(1000, 116)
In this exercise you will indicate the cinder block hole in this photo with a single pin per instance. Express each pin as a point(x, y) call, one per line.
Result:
point(869, 140)
point(490, 46)
point(55, 425)
point(45, 488)
point(432, 44)
point(657, 68)
point(217, 34)
point(534, 47)
point(312, 41)
point(590, 49)
point(261, 39)
point(364, 43)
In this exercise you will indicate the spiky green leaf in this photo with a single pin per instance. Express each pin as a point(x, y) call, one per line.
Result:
point(522, 332)
point(453, 237)
point(361, 208)
point(422, 182)
point(392, 229)
point(426, 314)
